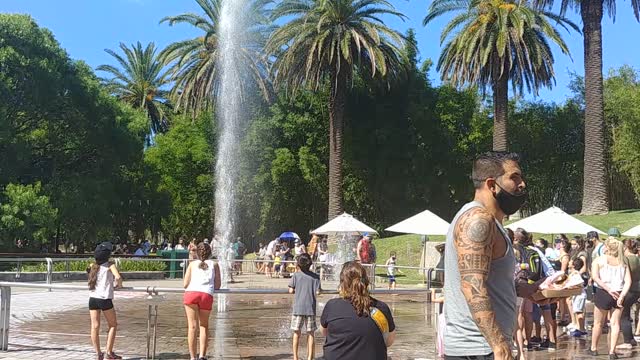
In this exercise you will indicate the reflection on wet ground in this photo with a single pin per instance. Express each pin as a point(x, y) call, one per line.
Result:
point(245, 327)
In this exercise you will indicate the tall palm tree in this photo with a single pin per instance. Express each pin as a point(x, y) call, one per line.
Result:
point(194, 61)
point(139, 82)
point(331, 40)
point(595, 198)
point(493, 41)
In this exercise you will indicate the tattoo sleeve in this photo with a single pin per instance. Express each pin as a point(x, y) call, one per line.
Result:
point(474, 242)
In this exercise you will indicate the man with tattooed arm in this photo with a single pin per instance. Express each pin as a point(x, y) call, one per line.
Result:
point(480, 288)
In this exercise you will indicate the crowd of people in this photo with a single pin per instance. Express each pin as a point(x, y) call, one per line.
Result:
point(491, 308)
point(493, 277)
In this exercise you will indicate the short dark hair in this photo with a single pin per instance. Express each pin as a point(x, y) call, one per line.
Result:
point(304, 262)
point(593, 235)
point(578, 263)
point(490, 165)
point(544, 242)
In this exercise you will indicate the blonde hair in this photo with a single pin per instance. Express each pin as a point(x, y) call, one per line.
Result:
point(354, 287)
point(615, 248)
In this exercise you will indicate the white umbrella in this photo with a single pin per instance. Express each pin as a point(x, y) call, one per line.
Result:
point(633, 232)
point(553, 221)
point(424, 223)
point(344, 224)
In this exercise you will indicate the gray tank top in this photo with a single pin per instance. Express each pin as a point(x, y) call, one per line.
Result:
point(462, 336)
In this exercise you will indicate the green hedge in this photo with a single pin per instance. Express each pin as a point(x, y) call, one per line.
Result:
point(82, 265)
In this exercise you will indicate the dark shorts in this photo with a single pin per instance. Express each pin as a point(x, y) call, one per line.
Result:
point(603, 301)
point(392, 278)
point(477, 357)
point(100, 304)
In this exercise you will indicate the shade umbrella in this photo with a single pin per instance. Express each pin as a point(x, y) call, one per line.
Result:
point(289, 235)
point(344, 224)
point(553, 221)
point(632, 232)
point(424, 223)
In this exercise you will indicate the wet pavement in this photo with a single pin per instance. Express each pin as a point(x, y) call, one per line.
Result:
point(54, 325)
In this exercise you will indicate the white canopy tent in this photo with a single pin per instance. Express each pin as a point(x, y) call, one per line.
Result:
point(632, 232)
point(344, 224)
point(424, 223)
point(553, 221)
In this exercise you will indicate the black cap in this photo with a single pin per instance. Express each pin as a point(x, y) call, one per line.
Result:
point(103, 251)
point(593, 235)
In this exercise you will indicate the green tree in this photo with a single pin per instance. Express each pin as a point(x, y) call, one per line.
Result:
point(622, 111)
point(139, 82)
point(27, 218)
point(60, 128)
point(330, 41)
point(595, 198)
point(194, 61)
point(490, 42)
point(183, 160)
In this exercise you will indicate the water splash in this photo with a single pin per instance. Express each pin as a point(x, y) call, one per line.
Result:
point(231, 26)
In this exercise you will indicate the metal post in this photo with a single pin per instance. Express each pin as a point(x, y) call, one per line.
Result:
point(49, 271)
point(185, 264)
point(152, 322)
point(18, 269)
point(429, 273)
point(373, 270)
point(67, 269)
point(5, 316)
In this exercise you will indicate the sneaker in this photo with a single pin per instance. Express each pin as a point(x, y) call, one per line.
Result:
point(100, 356)
point(203, 358)
point(577, 333)
point(551, 346)
point(112, 356)
point(592, 352)
point(535, 340)
point(613, 356)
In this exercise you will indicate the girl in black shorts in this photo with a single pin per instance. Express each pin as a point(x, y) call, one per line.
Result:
point(102, 276)
point(613, 279)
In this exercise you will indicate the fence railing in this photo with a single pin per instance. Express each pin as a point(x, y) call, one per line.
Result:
point(379, 273)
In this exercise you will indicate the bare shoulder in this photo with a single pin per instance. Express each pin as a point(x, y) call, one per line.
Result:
point(475, 227)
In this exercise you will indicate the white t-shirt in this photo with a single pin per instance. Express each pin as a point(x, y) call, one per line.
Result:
point(104, 283)
point(202, 280)
point(179, 247)
point(271, 248)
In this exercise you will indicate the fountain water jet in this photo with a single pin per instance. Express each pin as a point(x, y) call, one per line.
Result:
point(231, 71)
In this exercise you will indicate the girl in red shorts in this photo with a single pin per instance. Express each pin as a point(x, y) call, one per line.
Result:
point(201, 279)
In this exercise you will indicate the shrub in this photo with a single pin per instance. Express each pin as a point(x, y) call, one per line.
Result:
point(82, 265)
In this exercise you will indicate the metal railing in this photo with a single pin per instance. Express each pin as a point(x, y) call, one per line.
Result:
point(424, 275)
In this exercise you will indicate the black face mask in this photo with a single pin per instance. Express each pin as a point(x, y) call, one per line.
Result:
point(510, 203)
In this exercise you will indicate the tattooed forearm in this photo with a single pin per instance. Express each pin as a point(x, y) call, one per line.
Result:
point(474, 243)
point(473, 263)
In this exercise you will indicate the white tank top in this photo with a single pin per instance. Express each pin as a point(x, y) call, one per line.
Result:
point(104, 284)
point(613, 276)
point(202, 280)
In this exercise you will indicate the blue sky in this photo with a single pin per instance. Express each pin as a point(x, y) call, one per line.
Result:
point(86, 27)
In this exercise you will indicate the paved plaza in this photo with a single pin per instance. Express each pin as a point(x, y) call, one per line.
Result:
point(55, 325)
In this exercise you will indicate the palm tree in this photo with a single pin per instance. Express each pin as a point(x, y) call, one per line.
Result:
point(497, 41)
point(331, 40)
point(139, 82)
point(595, 198)
point(194, 61)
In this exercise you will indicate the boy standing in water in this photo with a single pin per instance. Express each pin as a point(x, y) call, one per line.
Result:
point(305, 284)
